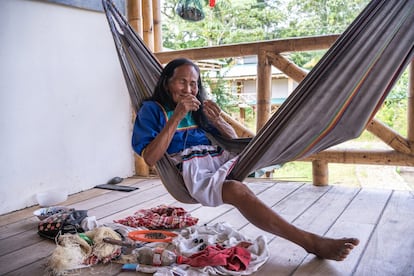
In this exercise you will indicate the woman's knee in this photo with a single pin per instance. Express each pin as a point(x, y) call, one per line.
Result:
point(234, 192)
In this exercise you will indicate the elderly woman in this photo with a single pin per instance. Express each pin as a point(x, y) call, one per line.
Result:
point(175, 120)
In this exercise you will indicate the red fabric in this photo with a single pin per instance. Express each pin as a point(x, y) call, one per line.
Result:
point(160, 217)
point(233, 258)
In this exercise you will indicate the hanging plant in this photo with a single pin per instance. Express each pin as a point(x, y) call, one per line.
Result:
point(190, 10)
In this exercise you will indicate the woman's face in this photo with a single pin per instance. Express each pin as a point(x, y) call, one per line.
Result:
point(183, 83)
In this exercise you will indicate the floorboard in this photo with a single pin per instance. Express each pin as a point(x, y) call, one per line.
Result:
point(390, 250)
point(382, 219)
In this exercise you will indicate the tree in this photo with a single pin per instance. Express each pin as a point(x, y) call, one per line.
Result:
point(227, 23)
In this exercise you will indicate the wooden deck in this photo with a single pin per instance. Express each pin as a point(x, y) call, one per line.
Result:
point(382, 219)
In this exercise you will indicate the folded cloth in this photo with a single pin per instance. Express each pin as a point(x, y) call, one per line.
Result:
point(234, 258)
point(161, 216)
point(195, 239)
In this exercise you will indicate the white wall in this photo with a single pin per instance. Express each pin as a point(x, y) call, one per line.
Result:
point(281, 88)
point(65, 115)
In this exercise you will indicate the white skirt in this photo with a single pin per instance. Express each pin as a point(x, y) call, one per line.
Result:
point(204, 170)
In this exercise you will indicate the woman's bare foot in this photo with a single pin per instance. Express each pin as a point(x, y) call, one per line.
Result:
point(332, 249)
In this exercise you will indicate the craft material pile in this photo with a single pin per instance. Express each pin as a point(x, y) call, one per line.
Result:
point(163, 240)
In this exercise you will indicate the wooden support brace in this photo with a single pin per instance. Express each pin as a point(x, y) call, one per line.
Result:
point(240, 129)
point(287, 67)
point(389, 136)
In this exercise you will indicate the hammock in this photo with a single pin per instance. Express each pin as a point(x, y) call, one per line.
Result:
point(331, 105)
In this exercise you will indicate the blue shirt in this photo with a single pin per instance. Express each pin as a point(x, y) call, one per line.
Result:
point(152, 118)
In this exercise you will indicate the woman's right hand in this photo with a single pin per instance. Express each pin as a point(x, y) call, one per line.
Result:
point(186, 104)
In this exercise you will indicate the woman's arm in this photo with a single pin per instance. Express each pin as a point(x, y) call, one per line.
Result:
point(212, 112)
point(156, 149)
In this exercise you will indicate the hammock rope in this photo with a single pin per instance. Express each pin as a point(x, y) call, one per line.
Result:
point(333, 104)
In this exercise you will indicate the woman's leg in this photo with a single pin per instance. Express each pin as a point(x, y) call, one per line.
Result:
point(258, 213)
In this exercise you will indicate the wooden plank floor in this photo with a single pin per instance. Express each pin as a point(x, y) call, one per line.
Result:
point(382, 219)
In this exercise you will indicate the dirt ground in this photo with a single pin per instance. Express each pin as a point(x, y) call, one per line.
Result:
point(407, 173)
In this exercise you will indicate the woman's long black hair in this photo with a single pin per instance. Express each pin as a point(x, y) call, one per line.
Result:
point(163, 96)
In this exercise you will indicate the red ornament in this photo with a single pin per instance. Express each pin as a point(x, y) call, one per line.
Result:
point(212, 3)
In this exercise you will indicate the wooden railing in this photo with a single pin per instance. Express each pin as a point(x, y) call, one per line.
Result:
point(269, 54)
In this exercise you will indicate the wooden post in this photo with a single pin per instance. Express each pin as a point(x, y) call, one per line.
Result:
point(264, 89)
point(242, 112)
point(147, 24)
point(156, 6)
point(320, 172)
point(410, 106)
point(134, 15)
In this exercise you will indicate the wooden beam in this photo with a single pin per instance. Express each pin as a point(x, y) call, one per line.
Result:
point(370, 157)
point(247, 49)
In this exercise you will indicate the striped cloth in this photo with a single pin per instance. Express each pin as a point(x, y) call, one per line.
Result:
point(162, 216)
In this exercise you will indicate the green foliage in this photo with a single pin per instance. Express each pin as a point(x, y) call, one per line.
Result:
point(227, 23)
point(320, 17)
point(394, 110)
point(219, 91)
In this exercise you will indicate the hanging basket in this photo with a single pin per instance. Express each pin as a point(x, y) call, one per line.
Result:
point(190, 10)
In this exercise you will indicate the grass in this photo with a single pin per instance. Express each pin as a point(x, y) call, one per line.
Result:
point(302, 171)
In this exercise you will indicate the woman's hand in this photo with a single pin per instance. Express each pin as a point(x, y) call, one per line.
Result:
point(186, 104)
point(212, 112)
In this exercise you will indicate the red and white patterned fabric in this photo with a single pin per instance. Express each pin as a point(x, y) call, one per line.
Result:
point(162, 216)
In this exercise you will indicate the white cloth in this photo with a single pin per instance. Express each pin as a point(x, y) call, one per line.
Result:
point(205, 173)
point(219, 233)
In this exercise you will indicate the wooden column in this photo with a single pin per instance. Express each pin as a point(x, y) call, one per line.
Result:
point(134, 15)
point(156, 11)
point(264, 89)
point(148, 24)
point(410, 105)
point(320, 172)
